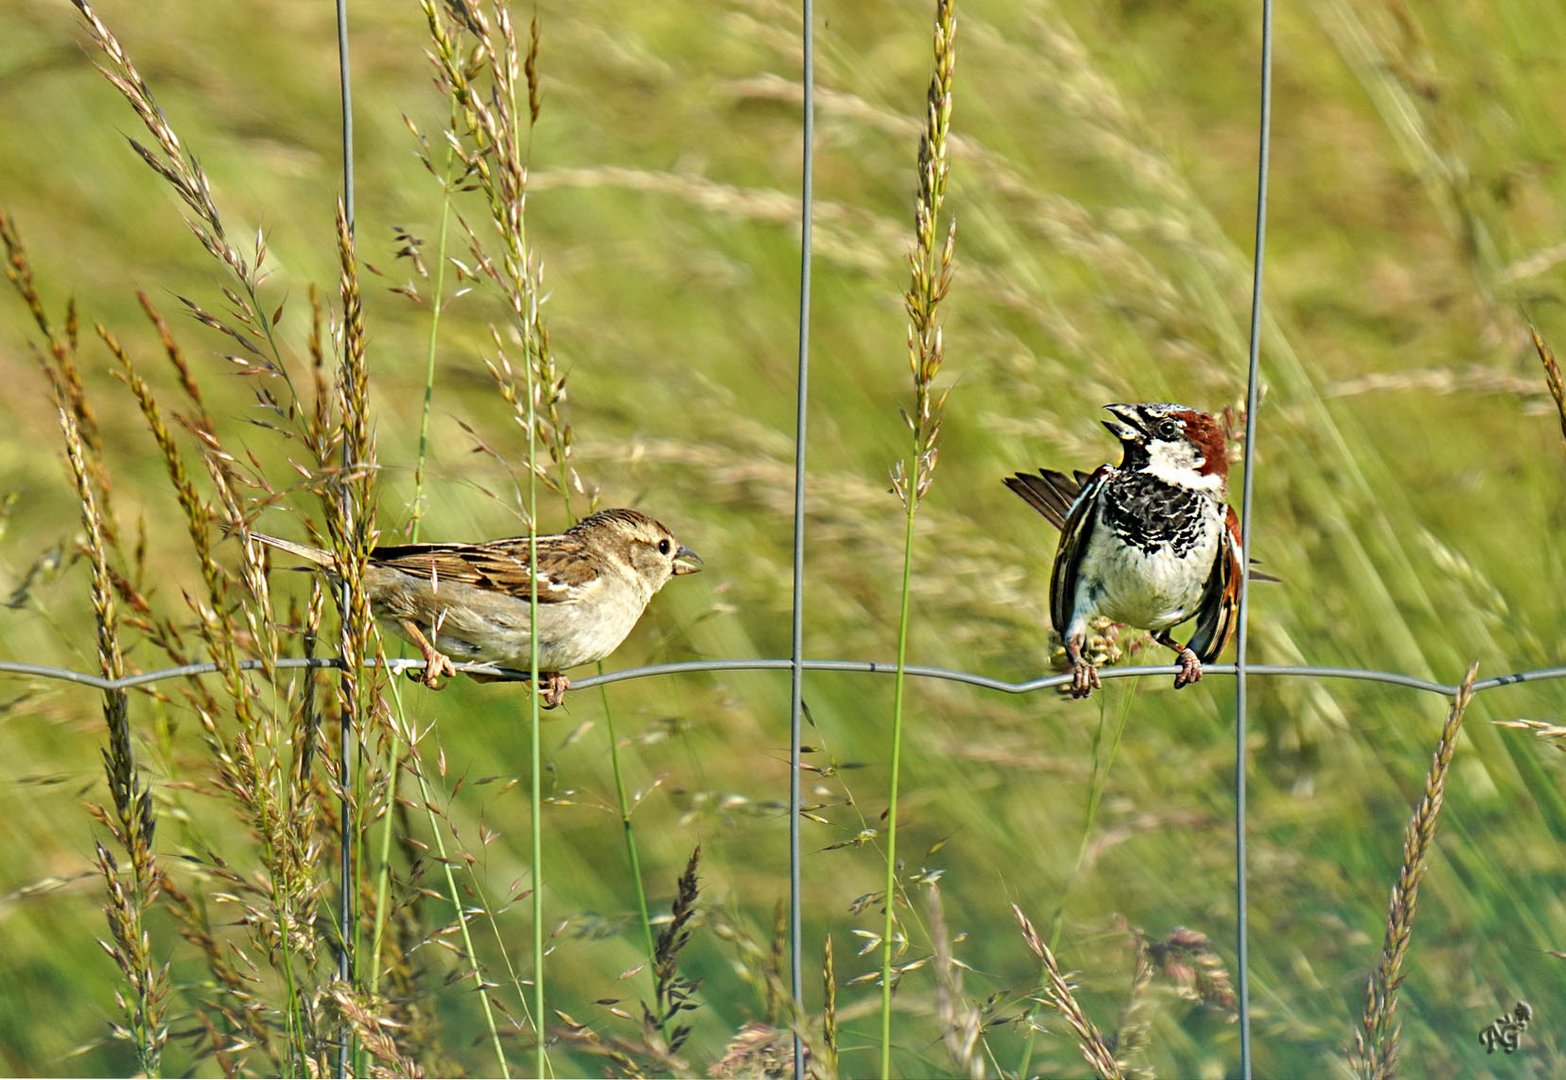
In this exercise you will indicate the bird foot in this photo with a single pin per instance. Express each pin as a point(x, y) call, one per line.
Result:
point(1084, 679)
point(552, 686)
point(1190, 669)
point(436, 665)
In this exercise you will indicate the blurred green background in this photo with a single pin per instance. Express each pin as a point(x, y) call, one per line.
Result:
point(1409, 483)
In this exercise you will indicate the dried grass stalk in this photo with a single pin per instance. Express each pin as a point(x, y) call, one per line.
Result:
point(959, 1020)
point(239, 1019)
point(1376, 1043)
point(280, 806)
point(133, 823)
point(350, 515)
point(246, 322)
point(168, 158)
point(1059, 995)
point(757, 1052)
point(931, 270)
point(271, 991)
point(1131, 1032)
point(829, 1006)
point(930, 264)
point(1552, 375)
point(58, 360)
point(1556, 733)
point(481, 67)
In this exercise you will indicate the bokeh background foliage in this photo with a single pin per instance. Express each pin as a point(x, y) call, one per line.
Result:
point(1408, 492)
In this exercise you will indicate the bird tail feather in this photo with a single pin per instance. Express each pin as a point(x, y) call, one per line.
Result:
point(1049, 492)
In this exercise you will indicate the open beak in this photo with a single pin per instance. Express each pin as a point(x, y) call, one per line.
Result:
point(686, 561)
point(1127, 425)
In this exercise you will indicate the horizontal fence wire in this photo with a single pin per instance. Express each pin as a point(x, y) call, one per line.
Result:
point(862, 667)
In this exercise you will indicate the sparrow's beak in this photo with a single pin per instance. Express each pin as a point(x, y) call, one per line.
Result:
point(1127, 425)
point(686, 561)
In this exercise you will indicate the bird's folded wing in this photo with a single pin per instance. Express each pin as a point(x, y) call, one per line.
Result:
point(499, 566)
point(1217, 617)
point(1075, 533)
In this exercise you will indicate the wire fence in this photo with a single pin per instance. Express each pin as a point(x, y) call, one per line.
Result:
point(797, 664)
point(852, 667)
point(796, 697)
point(1241, 646)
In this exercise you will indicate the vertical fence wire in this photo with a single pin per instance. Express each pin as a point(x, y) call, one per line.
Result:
point(797, 654)
point(345, 908)
point(1252, 392)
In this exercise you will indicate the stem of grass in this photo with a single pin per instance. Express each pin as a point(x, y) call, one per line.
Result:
point(1377, 1042)
point(535, 732)
point(899, 686)
point(622, 800)
point(930, 265)
point(1102, 762)
point(437, 301)
point(395, 750)
point(457, 907)
point(631, 855)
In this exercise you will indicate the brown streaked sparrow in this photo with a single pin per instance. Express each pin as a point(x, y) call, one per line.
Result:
point(1151, 543)
point(471, 601)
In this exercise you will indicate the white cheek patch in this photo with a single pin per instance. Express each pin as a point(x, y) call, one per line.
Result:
point(1180, 464)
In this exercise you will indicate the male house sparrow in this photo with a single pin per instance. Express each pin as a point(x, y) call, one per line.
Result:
point(1150, 544)
point(471, 601)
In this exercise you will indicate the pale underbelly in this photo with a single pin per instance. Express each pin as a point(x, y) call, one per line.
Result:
point(1154, 592)
point(495, 630)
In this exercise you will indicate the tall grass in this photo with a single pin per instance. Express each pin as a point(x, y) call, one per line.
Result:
point(1376, 1044)
point(485, 81)
point(1553, 380)
point(1102, 165)
point(264, 738)
point(1061, 997)
point(133, 822)
point(931, 265)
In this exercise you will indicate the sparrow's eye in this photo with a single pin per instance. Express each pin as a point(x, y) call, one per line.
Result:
point(663, 547)
point(1168, 429)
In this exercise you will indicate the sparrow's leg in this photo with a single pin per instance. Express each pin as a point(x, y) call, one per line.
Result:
point(436, 663)
point(552, 686)
point(1190, 666)
point(1084, 676)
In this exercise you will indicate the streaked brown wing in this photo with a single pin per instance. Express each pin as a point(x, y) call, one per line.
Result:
point(1217, 617)
point(499, 565)
point(1075, 533)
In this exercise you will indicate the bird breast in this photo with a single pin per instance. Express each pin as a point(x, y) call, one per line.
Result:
point(1154, 585)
